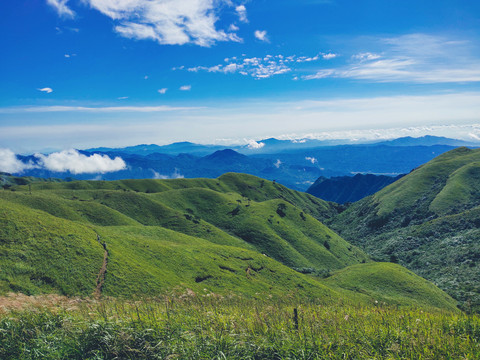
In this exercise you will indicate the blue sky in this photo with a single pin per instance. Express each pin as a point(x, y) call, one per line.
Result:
point(85, 73)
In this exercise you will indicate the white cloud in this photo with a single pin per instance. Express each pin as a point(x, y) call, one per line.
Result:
point(157, 175)
point(122, 98)
point(242, 13)
point(329, 56)
point(100, 109)
point(162, 90)
point(61, 7)
point(450, 114)
point(167, 21)
point(277, 163)
point(366, 56)
point(46, 90)
point(307, 58)
point(186, 87)
point(261, 35)
point(415, 58)
point(257, 67)
point(76, 163)
point(253, 145)
point(233, 27)
point(175, 175)
point(11, 164)
point(311, 159)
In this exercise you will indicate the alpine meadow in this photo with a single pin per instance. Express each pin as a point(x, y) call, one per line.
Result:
point(239, 179)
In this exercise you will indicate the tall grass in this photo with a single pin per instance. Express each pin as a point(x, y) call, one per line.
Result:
point(212, 327)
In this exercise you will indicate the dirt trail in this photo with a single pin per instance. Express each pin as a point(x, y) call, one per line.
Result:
point(103, 270)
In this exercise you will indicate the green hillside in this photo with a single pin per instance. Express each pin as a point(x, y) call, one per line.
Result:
point(427, 221)
point(235, 234)
point(387, 282)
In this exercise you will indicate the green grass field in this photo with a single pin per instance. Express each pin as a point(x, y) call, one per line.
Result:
point(237, 234)
point(207, 326)
point(230, 268)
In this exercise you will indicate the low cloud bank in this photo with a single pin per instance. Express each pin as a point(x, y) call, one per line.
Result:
point(63, 161)
point(252, 144)
point(9, 162)
point(76, 163)
point(175, 175)
point(311, 159)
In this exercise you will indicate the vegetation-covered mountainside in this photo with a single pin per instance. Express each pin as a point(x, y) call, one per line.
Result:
point(235, 234)
point(343, 189)
point(428, 221)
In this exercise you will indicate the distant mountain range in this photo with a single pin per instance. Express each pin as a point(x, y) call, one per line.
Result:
point(272, 145)
point(427, 140)
point(296, 164)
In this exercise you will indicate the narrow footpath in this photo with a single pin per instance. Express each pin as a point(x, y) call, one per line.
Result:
point(103, 270)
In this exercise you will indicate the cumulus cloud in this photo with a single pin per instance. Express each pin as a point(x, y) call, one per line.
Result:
point(242, 13)
point(329, 56)
point(11, 164)
point(46, 90)
point(166, 21)
point(261, 35)
point(253, 145)
point(76, 163)
point(162, 90)
point(186, 87)
point(311, 159)
point(61, 8)
point(257, 67)
point(158, 176)
point(307, 58)
point(175, 175)
point(277, 163)
point(366, 56)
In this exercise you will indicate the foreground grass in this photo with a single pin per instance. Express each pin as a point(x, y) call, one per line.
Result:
point(212, 327)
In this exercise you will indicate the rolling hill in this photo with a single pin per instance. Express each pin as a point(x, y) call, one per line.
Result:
point(237, 234)
point(427, 221)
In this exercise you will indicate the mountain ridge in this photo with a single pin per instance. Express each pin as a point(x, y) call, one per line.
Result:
point(427, 221)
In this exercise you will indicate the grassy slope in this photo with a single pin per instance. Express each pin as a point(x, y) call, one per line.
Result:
point(49, 239)
point(273, 227)
point(248, 186)
point(391, 283)
point(426, 183)
point(41, 253)
point(156, 260)
point(427, 220)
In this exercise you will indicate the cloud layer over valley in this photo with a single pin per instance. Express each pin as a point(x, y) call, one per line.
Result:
point(64, 161)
